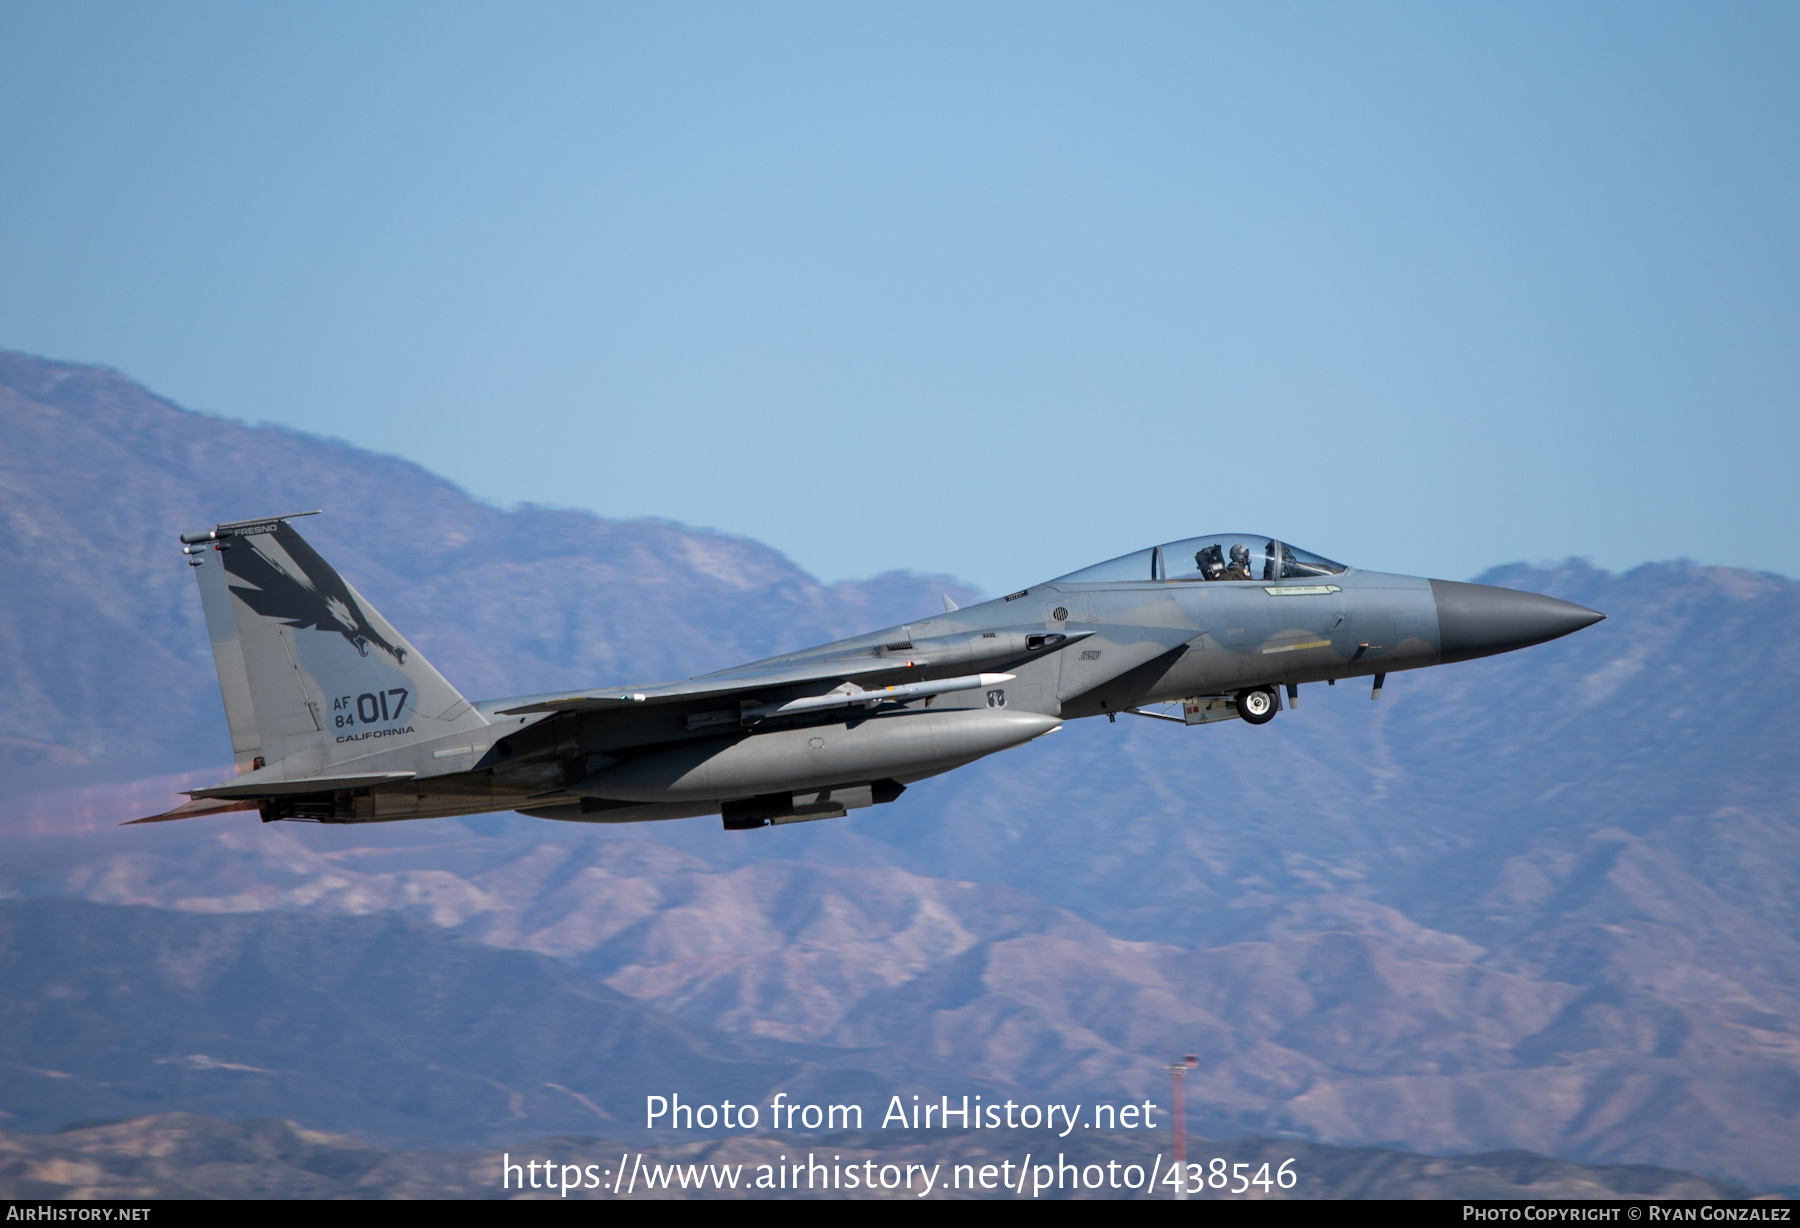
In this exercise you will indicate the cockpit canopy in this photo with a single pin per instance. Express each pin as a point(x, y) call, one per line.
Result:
point(1218, 556)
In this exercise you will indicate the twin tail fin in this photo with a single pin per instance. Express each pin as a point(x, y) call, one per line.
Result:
point(312, 675)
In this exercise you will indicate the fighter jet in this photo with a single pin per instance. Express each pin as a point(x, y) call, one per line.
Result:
point(335, 718)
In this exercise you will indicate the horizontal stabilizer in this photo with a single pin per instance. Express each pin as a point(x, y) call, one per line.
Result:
point(194, 809)
point(294, 788)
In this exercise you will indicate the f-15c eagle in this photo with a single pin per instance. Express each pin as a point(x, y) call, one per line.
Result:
point(335, 718)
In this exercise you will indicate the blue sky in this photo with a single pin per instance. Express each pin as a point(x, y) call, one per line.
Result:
point(997, 290)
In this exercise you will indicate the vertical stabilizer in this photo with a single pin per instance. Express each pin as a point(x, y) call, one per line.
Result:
point(311, 674)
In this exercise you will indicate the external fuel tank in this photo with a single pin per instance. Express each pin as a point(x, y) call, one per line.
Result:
point(909, 743)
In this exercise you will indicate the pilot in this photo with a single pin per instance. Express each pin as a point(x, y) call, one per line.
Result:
point(1211, 561)
point(1240, 564)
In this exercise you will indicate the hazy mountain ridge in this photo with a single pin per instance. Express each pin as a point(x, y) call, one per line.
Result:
point(1347, 1020)
point(1537, 901)
point(374, 1024)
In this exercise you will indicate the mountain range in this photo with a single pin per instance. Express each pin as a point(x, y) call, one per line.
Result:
point(1541, 901)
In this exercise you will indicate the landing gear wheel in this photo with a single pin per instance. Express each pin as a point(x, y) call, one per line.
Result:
point(1257, 705)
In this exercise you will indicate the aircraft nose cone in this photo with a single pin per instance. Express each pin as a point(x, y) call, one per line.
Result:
point(1479, 620)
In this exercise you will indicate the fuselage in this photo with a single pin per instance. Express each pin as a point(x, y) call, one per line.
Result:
point(1101, 642)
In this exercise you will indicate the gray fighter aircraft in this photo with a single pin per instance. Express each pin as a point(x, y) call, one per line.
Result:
point(335, 718)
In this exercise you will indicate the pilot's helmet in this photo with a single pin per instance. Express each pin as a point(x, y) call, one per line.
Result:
point(1240, 555)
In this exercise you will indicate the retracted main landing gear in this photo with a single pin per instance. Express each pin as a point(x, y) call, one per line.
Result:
point(1258, 705)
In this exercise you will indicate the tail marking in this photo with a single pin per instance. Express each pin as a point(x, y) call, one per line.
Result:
point(318, 598)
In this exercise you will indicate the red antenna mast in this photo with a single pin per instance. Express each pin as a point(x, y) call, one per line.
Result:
point(1177, 1077)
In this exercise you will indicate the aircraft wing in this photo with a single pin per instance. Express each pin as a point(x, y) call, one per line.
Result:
point(735, 682)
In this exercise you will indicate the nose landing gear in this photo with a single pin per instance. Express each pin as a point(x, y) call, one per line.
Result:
point(1257, 705)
